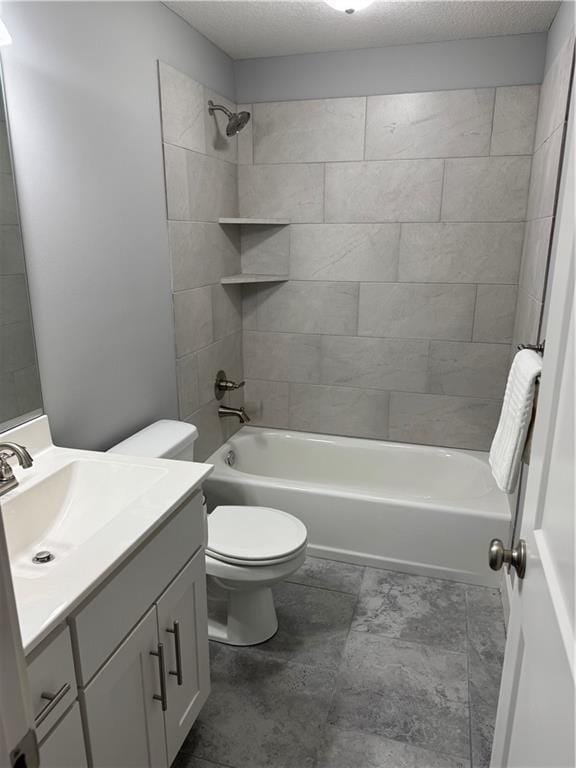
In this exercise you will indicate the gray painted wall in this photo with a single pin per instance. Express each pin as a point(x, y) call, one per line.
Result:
point(82, 91)
point(493, 61)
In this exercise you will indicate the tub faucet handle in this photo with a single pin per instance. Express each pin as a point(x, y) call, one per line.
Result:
point(223, 384)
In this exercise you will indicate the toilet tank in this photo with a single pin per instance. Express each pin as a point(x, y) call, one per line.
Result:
point(164, 439)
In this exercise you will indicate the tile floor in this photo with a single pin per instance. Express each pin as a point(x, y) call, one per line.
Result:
point(369, 669)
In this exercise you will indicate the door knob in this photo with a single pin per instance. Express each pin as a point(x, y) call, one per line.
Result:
point(498, 555)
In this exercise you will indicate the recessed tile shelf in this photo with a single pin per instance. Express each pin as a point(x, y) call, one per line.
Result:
point(247, 277)
point(271, 222)
point(239, 279)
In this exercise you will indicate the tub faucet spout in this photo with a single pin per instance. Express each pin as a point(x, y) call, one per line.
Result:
point(240, 413)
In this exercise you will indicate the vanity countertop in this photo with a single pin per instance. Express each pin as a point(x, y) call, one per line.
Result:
point(92, 510)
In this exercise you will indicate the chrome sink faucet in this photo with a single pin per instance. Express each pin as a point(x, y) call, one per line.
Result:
point(240, 413)
point(7, 451)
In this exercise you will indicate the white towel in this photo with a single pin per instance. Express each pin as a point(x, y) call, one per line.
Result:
point(508, 444)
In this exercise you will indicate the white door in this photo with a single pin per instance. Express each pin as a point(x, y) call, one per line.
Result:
point(535, 722)
point(123, 706)
point(183, 628)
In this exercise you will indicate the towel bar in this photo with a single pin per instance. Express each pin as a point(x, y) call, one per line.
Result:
point(534, 347)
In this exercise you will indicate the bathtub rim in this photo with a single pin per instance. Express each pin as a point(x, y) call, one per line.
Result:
point(501, 508)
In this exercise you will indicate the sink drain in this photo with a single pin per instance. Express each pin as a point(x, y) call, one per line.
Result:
point(43, 557)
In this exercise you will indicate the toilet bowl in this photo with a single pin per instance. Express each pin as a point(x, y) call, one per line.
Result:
point(248, 549)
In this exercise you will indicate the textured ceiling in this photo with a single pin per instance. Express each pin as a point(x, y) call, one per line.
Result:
point(248, 29)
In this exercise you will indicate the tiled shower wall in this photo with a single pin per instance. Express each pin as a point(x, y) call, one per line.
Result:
point(201, 185)
point(551, 127)
point(405, 253)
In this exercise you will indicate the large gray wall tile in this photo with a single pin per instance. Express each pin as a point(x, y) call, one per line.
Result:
point(198, 187)
point(294, 192)
point(265, 249)
point(225, 354)
point(461, 253)
point(515, 113)
point(486, 189)
point(393, 190)
point(494, 316)
point(339, 410)
point(456, 422)
point(375, 363)
point(187, 379)
point(554, 93)
point(8, 205)
point(472, 369)
point(282, 356)
point(344, 252)
point(535, 257)
point(193, 320)
point(309, 307)
point(433, 124)
point(410, 310)
point(217, 143)
point(309, 131)
point(16, 347)
point(245, 137)
point(266, 402)
point(202, 253)
point(11, 250)
point(544, 179)
point(212, 430)
point(527, 320)
point(226, 309)
point(183, 108)
point(14, 302)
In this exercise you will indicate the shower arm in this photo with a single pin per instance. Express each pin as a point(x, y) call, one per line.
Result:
point(218, 108)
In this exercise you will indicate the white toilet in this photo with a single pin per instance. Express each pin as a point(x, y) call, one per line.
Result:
point(249, 548)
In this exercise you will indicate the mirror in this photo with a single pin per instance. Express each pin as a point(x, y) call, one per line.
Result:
point(20, 395)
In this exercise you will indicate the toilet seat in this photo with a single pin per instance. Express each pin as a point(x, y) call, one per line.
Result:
point(254, 536)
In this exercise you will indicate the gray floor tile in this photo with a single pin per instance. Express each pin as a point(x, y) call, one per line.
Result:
point(262, 713)
point(482, 721)
point(327, 574)
point(487, 636)
point(185, 760)
point(404, 691)
point(483, 599)
point(412, 608)
point(344, 749)
point(313, 625)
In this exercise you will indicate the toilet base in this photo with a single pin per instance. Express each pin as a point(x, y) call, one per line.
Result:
point(251, 618)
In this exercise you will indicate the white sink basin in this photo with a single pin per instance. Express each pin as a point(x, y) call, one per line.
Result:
point(65, 509)
point(91, 510)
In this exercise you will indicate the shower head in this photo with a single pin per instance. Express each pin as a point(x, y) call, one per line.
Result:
point(236, 120)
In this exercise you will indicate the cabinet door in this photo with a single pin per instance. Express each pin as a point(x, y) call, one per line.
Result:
point(183, 628)
point(64, 745)
point(125, 721)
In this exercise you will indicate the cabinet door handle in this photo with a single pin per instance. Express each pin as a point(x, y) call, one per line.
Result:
point(53, 700)
point(162, 671)
point(178, 648)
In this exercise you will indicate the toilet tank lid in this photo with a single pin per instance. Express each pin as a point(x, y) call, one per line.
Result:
point(163, 439)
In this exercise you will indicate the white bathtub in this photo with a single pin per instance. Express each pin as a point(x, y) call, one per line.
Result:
point(418, 509)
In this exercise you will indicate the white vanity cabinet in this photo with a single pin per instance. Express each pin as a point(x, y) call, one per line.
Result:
point(142, 683)
point(64, 745)
point(182, 628)
point(52, 682)
point(143, 702)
